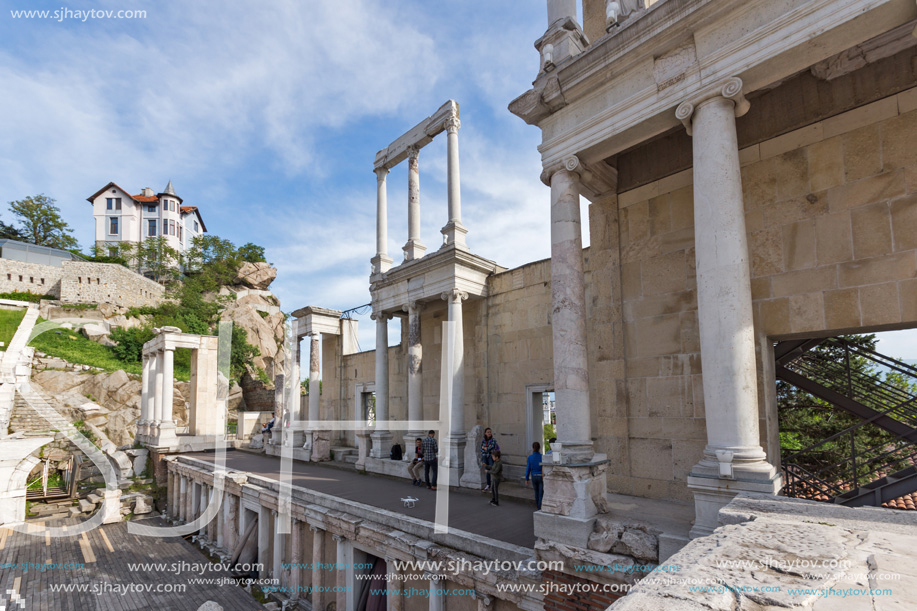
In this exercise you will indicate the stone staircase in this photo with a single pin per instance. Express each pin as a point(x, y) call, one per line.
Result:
point(343, 454)
point(24, 418)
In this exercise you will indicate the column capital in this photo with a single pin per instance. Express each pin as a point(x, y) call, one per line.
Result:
point(383, 316)
point(315, 528)
point(570, 163)
point(452, 125)
point(482, 598)
point(417, 306)
point(381, 172)
point(454, 296)
point(730, 89)
point(413, 152)
point(339, 538)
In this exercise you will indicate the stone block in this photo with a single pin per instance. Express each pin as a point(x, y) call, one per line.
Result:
point(898, 137)
point(665, 396)
point(833, 238)
point(631, 283)
point(842, 309)
point(881, 187)
point(636, 221)
point(792, 169)
point(807, 312)
point(872, 233)
point(664, 274)
point(796, 209)
point(862, 153)
point(904, 223)
point(658, 335)
point(826, 164)
point(879, 304)
point(760, 288)
point(799, 245)
point(907, 291)
point(646, 428)
point(796, 139)
point(651, 458)
point(871, 271)
point(681, 208)
point(804, 281)
point(766, 249)
point(759, 184)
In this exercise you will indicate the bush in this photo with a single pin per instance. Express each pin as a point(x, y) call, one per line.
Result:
point(24, 296)
point(130, 342)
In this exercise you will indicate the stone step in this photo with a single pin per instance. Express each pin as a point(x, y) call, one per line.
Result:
point(86, 506)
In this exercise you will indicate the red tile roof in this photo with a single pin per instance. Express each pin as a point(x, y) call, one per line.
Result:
point(152, 199)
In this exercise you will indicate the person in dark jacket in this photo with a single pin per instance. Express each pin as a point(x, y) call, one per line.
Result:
point(488, 446)
point(496, 476)
point(533, 470)
point(430, 450)
point(417, 464)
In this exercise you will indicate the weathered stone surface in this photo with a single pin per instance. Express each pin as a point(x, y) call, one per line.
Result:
point(321, 446)
point(255, 275)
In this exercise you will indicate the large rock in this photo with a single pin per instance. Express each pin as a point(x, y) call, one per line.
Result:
point(255, 275)
point(95, 331)
point(266, 334)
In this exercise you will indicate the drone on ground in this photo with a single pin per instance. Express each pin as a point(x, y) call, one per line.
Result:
point(409, 501)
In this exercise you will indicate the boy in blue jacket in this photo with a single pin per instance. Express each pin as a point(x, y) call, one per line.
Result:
point(533, 470)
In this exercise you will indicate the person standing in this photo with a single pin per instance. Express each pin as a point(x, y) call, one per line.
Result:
point(417, 464)
point(430, 450)
point(496, 476)
point(488, 447)
point(533, 470)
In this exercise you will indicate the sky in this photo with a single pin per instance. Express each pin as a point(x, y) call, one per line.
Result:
point(267, 116)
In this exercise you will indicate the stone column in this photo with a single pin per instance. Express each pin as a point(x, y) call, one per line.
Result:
point(452, 395)
point(414, 249)
point(204, 504)
point(318, 574)
point(294, 403)
point(561, 9)
point(345, 600)
point(182, 498)
point(733, 459)
point(216, 536)
point(568, 322)
point(295, 581)
point(145, 399)
point(454, 232)
point(382, 438)
point(415, 378)
point(195, 501)
point(156, 373)
point(394, 602)
point(171, 494)
point(437, 598)
point(575, 488)
point(167, 426)
point(231, 510)
point(264, 541)
point(279, 544)
point(381, 262)
point(321, 446)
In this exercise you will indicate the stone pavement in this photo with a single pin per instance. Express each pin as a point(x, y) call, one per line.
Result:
point(470, 511)
point(102, 570)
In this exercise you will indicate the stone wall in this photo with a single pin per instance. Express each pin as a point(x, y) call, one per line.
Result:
point(30, 278)
point(85, 282)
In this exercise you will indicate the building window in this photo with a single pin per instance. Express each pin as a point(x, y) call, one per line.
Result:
point(117, 203)
point(112, 252)
point(171, 227)
point(151, 208)
point(20, 278)
point(195, 227)
point(42, 280)
point(179, 233)
point(165, 227)
point(151, 229)
point(113, 225)
point(31, 280)
point(109, 203)
point(9, 276)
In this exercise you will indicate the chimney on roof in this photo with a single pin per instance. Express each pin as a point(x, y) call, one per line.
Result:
point(147, 192)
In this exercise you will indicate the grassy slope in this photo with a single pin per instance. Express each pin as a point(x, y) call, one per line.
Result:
point(9, 321)
point(74, 348)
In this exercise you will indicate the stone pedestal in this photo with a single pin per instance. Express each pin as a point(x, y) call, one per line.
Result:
point(574, 496)
point(364, 443)
point(111, 506)
point(382, 444)
point(321, 446)
point(472, 474)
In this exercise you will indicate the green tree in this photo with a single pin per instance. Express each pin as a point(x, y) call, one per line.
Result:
point(9, 232)
point(155, 256)
point(252, 253)
point(40, 222)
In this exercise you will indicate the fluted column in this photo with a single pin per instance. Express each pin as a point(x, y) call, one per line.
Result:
point(452, 389)
point(264, 541)
point(437, 597)
point(414, 248)
point(156, 392)
point(294, 399)
point(278, 546)
point(381, 436)
point(167, 426)
point(568, 322)
point(733, 459)
point(381, 262)
point(314, 379)
point(415, 377)
point(393, 601)
point(454, 232)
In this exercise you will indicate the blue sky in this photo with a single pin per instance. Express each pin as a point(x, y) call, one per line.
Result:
point(267, 116)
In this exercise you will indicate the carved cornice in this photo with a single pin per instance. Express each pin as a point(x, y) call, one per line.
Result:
point(730, 88)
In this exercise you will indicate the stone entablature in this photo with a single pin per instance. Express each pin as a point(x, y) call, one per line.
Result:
point(336, 520)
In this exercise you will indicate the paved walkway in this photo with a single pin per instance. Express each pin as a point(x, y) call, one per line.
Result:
point(106, 555)
point(511, 522)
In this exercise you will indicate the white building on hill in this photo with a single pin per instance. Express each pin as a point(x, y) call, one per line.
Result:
point(122, 217)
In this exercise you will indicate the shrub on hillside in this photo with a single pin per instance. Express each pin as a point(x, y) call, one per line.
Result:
point(129, 343)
